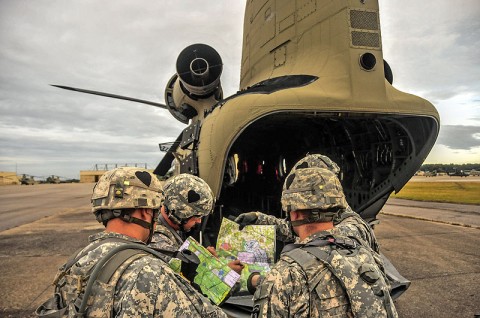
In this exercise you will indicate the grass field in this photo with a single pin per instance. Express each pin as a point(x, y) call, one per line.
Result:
point(453, 192)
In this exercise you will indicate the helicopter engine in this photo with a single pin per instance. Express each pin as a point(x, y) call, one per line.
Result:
point(196, 85)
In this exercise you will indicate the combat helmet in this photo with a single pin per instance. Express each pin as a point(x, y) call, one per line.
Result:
point(121, 190)
point(317, 161)
point(186, 195)
point(316, 190)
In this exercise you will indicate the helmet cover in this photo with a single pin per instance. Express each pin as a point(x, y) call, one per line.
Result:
point(317, 161)
point(312, 188)
point(187, 195)
point(127, 188)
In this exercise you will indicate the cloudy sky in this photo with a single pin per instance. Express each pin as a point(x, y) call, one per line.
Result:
point(130, 48)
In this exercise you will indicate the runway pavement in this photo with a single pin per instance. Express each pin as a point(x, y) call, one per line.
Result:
point(445, 178)
point(22, 204)
point(467, 215)
point(441, 260)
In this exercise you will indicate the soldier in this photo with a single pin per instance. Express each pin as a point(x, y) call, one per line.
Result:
point(138, 284)
point(325, 274)
point(347, 222)
point(187, 200)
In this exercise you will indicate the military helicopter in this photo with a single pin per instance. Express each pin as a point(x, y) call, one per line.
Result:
point(53, 179)
point(458, 173)
point(27, 180)
point(313, 80)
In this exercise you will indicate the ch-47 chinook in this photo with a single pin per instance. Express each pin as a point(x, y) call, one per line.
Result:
point(313, 80)
point(53, 179)
point(27, 180)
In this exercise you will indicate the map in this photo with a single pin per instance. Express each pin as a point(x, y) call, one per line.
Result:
point(254, 246)
point(214, 276)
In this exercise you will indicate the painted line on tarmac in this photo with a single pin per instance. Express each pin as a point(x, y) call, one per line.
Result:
point(431, 220)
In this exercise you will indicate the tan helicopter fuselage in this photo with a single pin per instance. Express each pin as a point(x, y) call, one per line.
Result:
point(313, 79)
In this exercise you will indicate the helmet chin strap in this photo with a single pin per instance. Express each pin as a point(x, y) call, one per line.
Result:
point(192, 229)
point(316, 216)
point(181, 223)
point(289, 220)
point(147, 225)
point(150, 234)
point(182, 226)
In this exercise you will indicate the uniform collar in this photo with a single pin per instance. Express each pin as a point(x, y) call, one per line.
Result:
point(317, 235)
point(106, 235)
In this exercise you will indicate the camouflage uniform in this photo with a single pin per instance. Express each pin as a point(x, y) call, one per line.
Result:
point(283, 230)
point(288, 294)
point(185, 196)
point(166, 238)
point(287, 289)
point(347, 223)
point(322, 276)
point(141, 284)
point(350, 223)
point(148, 287)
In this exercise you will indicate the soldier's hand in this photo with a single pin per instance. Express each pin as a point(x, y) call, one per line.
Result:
point(212, 251)
point(236, 265)
point(245, 219)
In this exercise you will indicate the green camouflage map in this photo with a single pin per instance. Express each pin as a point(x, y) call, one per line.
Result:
point(214, 276)
point(254, 246)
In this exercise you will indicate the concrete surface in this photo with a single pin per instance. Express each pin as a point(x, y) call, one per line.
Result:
point(445, 179)
point(442, 262)
point(23, 204)
point(449, 213)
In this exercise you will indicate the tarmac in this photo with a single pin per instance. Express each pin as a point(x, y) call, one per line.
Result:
point(455, 214)
point(440, 256)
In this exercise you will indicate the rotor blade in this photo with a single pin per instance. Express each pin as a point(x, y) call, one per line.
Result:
point(112, 96)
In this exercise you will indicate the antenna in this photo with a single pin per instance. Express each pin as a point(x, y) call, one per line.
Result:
point(111, 96)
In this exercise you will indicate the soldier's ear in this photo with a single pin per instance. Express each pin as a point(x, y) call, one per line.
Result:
point(145, 213)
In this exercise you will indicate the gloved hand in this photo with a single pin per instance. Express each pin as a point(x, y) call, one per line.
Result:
point(253, 281)
point(248, 218)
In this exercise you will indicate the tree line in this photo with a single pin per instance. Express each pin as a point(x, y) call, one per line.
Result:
point(451, 167)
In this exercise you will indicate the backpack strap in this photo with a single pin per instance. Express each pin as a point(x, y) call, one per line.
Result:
point(343, 275)
point(107, 270)
point(174, 233)
point(116, 261)
point(79, 254)
point(305, 260)
point(343, 242)
point(104, 271)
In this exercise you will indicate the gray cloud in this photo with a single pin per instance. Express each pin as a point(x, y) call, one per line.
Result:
point(459, 137)
point(432, 47)
point(121, 47)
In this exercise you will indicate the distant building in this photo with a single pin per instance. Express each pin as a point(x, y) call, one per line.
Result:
point(8, 178)
point(89, 176)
